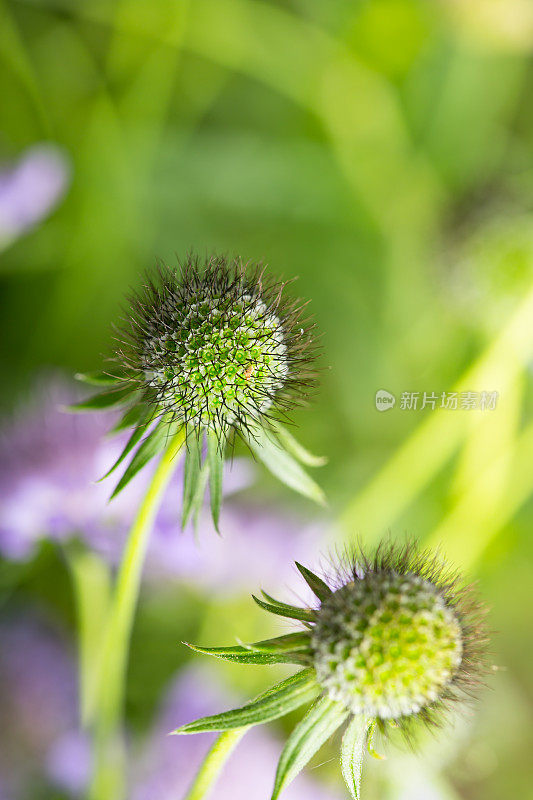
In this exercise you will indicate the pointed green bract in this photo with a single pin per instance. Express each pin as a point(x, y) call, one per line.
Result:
point(315, 583)
point(98, 378)
point(281, 644)
point(354, 743)
point(281, 464)
point(284, 610)
point(297, 450)
point(198, 499)
point(275, 702)
point(193, 465)
point(133, 416)
point(320, 722)
point(246, 655)
point(215, 457)
point(134, 439)
point(103, 401)
point(150, 446)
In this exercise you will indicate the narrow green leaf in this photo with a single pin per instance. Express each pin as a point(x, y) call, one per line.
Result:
point(135, 437)
point(297, 450)
point(215, 457)
point(98, 378)
point(315, 583)
point(245, 655)
point(320, 722)
point(284, 610)
point(103, 401)
point(275, 702)
point(280, 644)
point(198, 500)
point(132, 416)
point(353, 747)
point(193, 459)
point(150, 446)
point(281, 464)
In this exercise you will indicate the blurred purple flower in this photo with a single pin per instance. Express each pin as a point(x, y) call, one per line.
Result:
point(168, 764)
point(49, 462)
point(38, 701)
point(69, 763)
point(276, 537)
point(41, 745)
point(30, 189)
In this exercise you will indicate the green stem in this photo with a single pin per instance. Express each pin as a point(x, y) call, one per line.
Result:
point(91, 583)
point(213, 763)
point(108, 773)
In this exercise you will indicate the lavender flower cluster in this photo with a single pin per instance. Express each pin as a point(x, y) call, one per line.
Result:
point(50, 463)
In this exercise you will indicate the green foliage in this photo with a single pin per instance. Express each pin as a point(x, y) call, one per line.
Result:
point(354, 745)
point(379, 150)
point(275, 702)
point(320, 722)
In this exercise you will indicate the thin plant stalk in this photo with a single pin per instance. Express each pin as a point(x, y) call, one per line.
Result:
point(108, 778)
point(213, 763)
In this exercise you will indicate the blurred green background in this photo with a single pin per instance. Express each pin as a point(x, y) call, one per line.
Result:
point(381, 150)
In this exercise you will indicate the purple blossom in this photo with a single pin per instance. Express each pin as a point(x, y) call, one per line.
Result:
point(38, 702)
point(30, 189)
point(168, 764)
point(276, 537)
point(49, 464)
point(41, 744)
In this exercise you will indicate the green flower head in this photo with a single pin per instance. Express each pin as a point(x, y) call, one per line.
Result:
point(209, 349)
point(218, 346)
point(394, 639)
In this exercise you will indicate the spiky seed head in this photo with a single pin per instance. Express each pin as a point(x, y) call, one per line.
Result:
point(386, 645)
point(217, 345)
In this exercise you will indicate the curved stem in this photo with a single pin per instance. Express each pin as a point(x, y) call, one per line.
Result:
point(213, 763)
point(107, 780)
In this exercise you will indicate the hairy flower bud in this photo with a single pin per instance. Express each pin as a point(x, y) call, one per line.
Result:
point(394, 638)
point(207, 349)
point(217, 346)
point(386, 645)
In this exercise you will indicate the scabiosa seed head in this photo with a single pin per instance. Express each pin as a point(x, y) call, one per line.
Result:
point(210, 348)
point(400, 636)
point(386, 645)
point(217, 346)
point(394, 638)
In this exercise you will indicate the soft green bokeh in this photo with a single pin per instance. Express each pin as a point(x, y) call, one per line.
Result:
point(381, 150)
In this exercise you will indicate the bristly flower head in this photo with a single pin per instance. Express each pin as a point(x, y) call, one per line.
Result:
point(207, 349)
point(397, 638)
point(218, 345)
